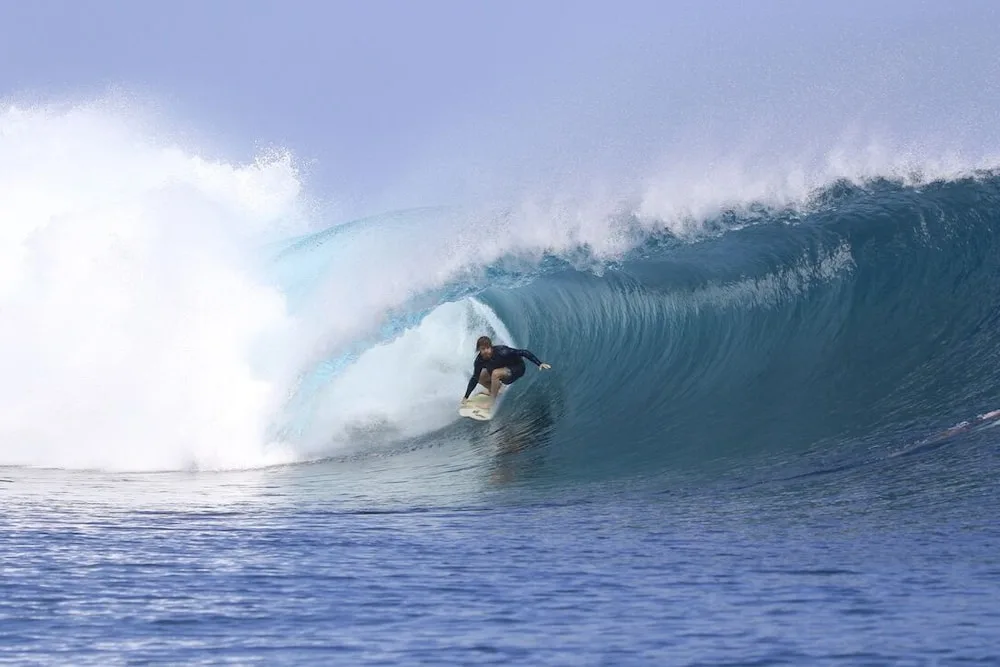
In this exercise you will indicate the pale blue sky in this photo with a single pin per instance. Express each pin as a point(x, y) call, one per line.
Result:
point(404, 103)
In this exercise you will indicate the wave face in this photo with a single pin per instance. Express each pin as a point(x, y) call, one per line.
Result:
point(868, 315)
point(163, 311)
point(863, 314)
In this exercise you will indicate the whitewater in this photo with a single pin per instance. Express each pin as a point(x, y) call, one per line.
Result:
point(229, 424)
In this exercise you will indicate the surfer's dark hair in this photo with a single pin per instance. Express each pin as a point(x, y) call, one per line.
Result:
point(484, 341)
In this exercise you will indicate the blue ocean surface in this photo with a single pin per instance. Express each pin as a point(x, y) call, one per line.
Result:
point(887, 563)
point(770, 442)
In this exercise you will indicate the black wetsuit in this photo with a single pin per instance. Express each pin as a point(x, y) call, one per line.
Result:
point(503, 357)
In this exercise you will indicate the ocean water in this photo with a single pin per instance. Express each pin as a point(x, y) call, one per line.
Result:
point(229, 432)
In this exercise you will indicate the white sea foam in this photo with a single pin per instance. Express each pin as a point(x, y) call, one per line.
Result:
point(131, 315)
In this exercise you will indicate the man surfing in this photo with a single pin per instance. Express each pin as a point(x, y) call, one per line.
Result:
point(498, 365)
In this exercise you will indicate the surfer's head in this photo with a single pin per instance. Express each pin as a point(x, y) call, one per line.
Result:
point(485, 347)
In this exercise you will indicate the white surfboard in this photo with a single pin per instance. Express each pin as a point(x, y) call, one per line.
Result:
point(479, 406)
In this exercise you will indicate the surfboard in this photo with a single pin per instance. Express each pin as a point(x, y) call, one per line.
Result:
point(478, 407)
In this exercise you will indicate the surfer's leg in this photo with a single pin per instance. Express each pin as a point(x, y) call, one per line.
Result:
point(484, 379)
point(514, 373)
point(496, 380)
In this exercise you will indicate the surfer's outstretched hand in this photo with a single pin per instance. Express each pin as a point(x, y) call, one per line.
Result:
point(544, 367)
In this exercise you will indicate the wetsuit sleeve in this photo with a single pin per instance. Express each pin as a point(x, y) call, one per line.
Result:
point(475, 377)
point(529, 356)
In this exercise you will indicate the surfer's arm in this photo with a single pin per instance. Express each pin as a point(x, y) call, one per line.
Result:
point(468, 390)
point(529, 356)
point(473, 380)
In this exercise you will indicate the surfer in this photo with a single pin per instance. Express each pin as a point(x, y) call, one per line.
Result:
point(498, 365)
